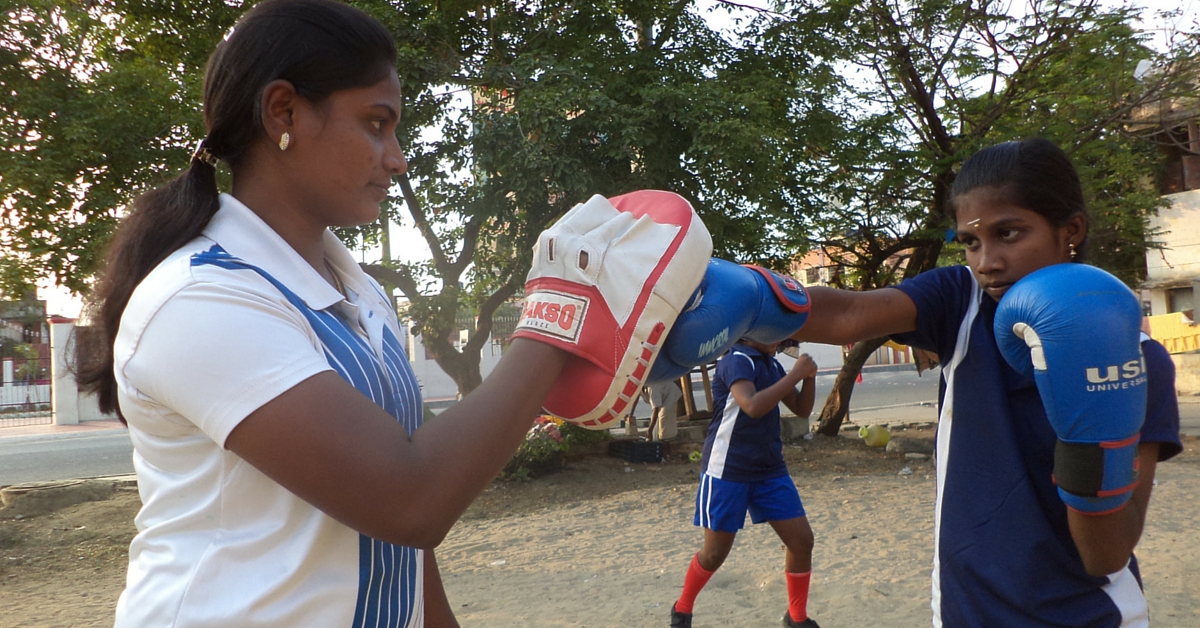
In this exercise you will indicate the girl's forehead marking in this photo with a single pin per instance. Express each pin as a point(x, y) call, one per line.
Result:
point(974, 222)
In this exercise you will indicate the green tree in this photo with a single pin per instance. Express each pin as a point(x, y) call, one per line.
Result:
point(99, 101)
point(567, 99)
point(927, 83)
point(30, 367)
point(574, 99)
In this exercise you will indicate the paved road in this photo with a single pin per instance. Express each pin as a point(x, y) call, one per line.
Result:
point(65, 456)
point(880, 389)
point(883, 396)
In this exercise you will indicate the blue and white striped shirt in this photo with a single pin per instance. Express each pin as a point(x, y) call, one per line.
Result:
point(221, 327)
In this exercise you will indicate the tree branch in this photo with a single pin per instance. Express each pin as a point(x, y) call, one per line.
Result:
point(484, 323)
point(422, 222)
point(469, 241)
point(402, 279)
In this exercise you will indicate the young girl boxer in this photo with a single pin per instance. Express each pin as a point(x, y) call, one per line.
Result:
point(1045, 468)
point(273, 414)
point(742, 470)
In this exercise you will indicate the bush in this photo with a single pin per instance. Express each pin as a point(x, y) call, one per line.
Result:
point(576, 436)
point(540, 452)
point(544, 445)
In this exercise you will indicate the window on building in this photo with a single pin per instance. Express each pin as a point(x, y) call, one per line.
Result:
point(1180, 300)
point(1180, 146)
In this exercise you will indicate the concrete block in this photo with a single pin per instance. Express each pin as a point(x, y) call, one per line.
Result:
point(690, 432)
point(793, 427)
point(1187, 373)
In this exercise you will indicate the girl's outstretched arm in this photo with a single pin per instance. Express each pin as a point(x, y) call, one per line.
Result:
point(842, 317)
point(334, 448)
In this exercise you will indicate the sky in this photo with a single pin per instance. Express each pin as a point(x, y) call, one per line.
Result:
point(407, 244)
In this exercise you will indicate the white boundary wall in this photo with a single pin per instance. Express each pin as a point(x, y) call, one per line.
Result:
point(69, 405)
point(12, 394)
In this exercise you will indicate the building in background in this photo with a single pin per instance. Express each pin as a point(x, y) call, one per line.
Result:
point(1172, 282)
point(820, 267)
point(24, 363)
point(1172, 272)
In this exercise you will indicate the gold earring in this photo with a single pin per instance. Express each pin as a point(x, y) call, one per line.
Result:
point(1071, 246)
point(284, 140)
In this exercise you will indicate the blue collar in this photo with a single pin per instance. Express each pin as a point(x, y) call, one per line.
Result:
point(748, 350)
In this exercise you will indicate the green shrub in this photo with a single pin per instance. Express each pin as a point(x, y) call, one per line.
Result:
point(576, 436)
point(540, 453)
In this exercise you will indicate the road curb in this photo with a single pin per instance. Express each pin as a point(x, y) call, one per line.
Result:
point(25, 438)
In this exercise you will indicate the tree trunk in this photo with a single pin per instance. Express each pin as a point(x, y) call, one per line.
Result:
point(837, 404)
point(463, 368)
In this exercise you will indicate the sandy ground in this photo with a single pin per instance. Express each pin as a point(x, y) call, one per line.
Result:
point(605, 543)
point(620, 561)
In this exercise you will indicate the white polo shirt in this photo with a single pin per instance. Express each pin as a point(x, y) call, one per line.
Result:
point(221, 327)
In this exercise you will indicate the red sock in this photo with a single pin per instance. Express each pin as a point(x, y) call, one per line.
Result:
point(695, 580)
point(797, 584)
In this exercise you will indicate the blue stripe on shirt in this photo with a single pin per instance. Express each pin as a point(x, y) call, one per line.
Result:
point(387, 584)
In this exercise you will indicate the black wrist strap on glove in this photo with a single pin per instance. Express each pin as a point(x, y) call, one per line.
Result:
point(1080, 468)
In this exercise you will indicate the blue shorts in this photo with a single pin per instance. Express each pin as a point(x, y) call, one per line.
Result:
point(721, 505)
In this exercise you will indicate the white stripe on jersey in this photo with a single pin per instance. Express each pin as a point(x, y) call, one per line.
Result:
point(1127, 596)
point(945, 422)
point(706, 501)
point(729, 416)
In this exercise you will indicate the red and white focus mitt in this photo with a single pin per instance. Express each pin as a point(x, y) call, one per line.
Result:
point(607, 282)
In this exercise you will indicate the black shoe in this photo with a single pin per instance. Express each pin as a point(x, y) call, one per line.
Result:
point(680, 620)
point(791, 623)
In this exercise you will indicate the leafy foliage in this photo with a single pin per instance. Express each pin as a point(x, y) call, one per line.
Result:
point(573, 99)
point(540, 452)
point(578, 437)
point(99, 101)
point(929, 82)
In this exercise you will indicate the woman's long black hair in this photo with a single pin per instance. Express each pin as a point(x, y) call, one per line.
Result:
point(1034, 174)
point(320, 47)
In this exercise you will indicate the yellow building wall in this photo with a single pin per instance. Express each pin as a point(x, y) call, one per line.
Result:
point(1175, 332)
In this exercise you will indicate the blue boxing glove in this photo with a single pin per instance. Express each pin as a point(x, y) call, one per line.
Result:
point(1077, 329)
point(732, 302)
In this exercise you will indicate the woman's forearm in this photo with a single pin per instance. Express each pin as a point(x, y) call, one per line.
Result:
point(1105, 542)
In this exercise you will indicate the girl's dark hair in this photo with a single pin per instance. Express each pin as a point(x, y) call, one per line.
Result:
point(320, 47)
point(1034, 174)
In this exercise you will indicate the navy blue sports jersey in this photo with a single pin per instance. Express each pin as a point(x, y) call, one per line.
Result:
point(1003, 554)
point(740, 448)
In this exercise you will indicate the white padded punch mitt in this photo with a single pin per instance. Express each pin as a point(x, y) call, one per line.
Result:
point(607, 282)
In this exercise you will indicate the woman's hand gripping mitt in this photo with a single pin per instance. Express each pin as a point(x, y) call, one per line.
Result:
point(607, 283)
